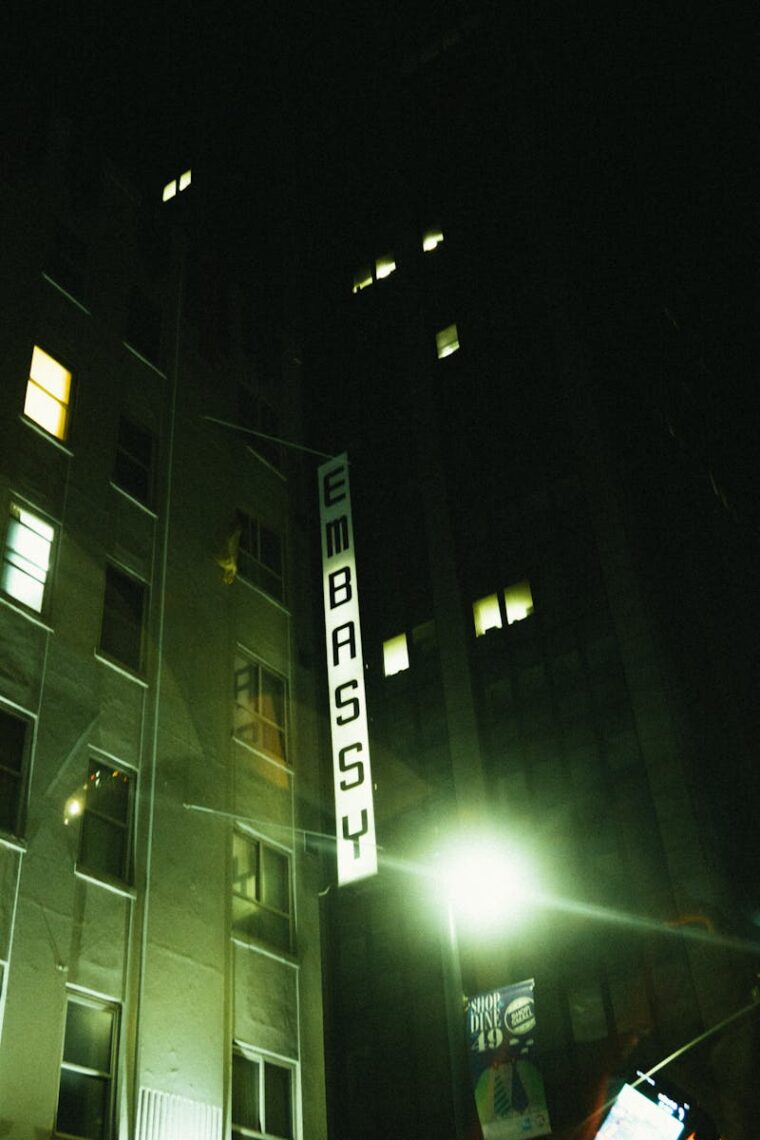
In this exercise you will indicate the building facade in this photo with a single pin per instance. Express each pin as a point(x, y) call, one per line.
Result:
point(161, 967)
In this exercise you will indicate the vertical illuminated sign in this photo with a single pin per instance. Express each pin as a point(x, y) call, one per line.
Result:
point(354, 811)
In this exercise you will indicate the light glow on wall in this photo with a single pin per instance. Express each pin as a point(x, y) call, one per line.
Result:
point(486, 614)
point(518, 601)
point(395, 655)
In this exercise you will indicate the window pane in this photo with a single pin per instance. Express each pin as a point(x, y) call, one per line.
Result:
point(446, 341)
point(12, 737)
point(88, 1036)
point(245, 1092)
point(276, 880)
point(486, 614)
point(22, 587)
point(519, 601)
point(272, 697)
point(103, 845)
point(108, 792)
point(245, 867)
point(45, 410)
point(50, 375)
point(395, 655)
point(277, 1100)
point(83, 1103)
point(10, 794)
point(121, 635)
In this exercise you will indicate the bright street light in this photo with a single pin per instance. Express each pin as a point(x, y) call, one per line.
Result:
point(487, 883)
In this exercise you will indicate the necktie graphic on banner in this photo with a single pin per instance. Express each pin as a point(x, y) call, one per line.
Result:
point(354, 809)
point(508, 1086)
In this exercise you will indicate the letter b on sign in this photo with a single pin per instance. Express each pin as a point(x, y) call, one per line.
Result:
point(339, 587)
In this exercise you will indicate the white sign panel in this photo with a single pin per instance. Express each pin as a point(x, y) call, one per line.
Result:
point(354, 811)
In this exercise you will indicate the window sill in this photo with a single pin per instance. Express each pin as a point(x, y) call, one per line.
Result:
point(281, 765)
point(18, 608)
point(136, 502)
point(115, 886)
point(143, 359)
point(118, 667)
point(65, 293)
point(12, 842)
point(47, 436)
point(264, 594)
point(257, 947)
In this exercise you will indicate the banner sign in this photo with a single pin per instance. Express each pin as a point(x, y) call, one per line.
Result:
point(509, 1089)
point(354, 809)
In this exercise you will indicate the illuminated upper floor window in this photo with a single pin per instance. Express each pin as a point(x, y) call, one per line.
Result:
point(395, 655)
point(518, 601)
point(446, 341)
point(486, 614)
point(362, 278)
point(177, 185)
point(384, 266)
point(48, 394)
point(260, 705)
point(26, 557)
point(431, 239)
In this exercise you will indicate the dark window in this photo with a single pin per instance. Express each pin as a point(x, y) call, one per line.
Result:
point(259, 707)
point(104, 837)
point(12, 756)
point(260, 891)
point(121, 634)
point(259, 415)
point(262, 1097)
point(66, 263)
point(133, 466)
point(144, 326)
point(85, 1096)
point(260, 555)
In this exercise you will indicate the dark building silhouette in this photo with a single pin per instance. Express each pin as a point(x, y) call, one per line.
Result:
point(531, 336)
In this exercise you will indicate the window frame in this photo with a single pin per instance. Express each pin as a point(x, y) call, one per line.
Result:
point(62, 440)
point(242, 656)
point(125, 876)
point(150, 470)
point(262, 1059)
point(76, 997)
point(18, 504)
point(259, 903)
point(251, 526)
point(19, 823)
point(102, 651)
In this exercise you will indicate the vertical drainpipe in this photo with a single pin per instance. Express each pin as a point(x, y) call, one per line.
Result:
point(161, 586)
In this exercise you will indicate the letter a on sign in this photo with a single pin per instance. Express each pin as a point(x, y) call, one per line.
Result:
point(354, 810)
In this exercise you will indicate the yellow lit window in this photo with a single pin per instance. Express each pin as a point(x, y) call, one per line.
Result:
point(431, 239)
point(446, 341)
point(48, 393)
point(384, 266)
point(177, 184)
point(362, 278)
point(185, 179)
point(486, 614)
point(518, 601)
point(395, 655)
point(170, 189)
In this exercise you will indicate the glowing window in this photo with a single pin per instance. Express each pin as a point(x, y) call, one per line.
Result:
point(395, 655)
point(26, 558)
point(261, 896)
point(48, 393)
point(259, 707)
point(486, 614)
point(446, 341)
point(177, 184)
point(384, 266)
point(431, 239)
point(518, 601)
point(362, 278)
point(104, 835)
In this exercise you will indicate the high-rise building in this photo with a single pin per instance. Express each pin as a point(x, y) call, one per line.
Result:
point(159, 928)
point(555, 542)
